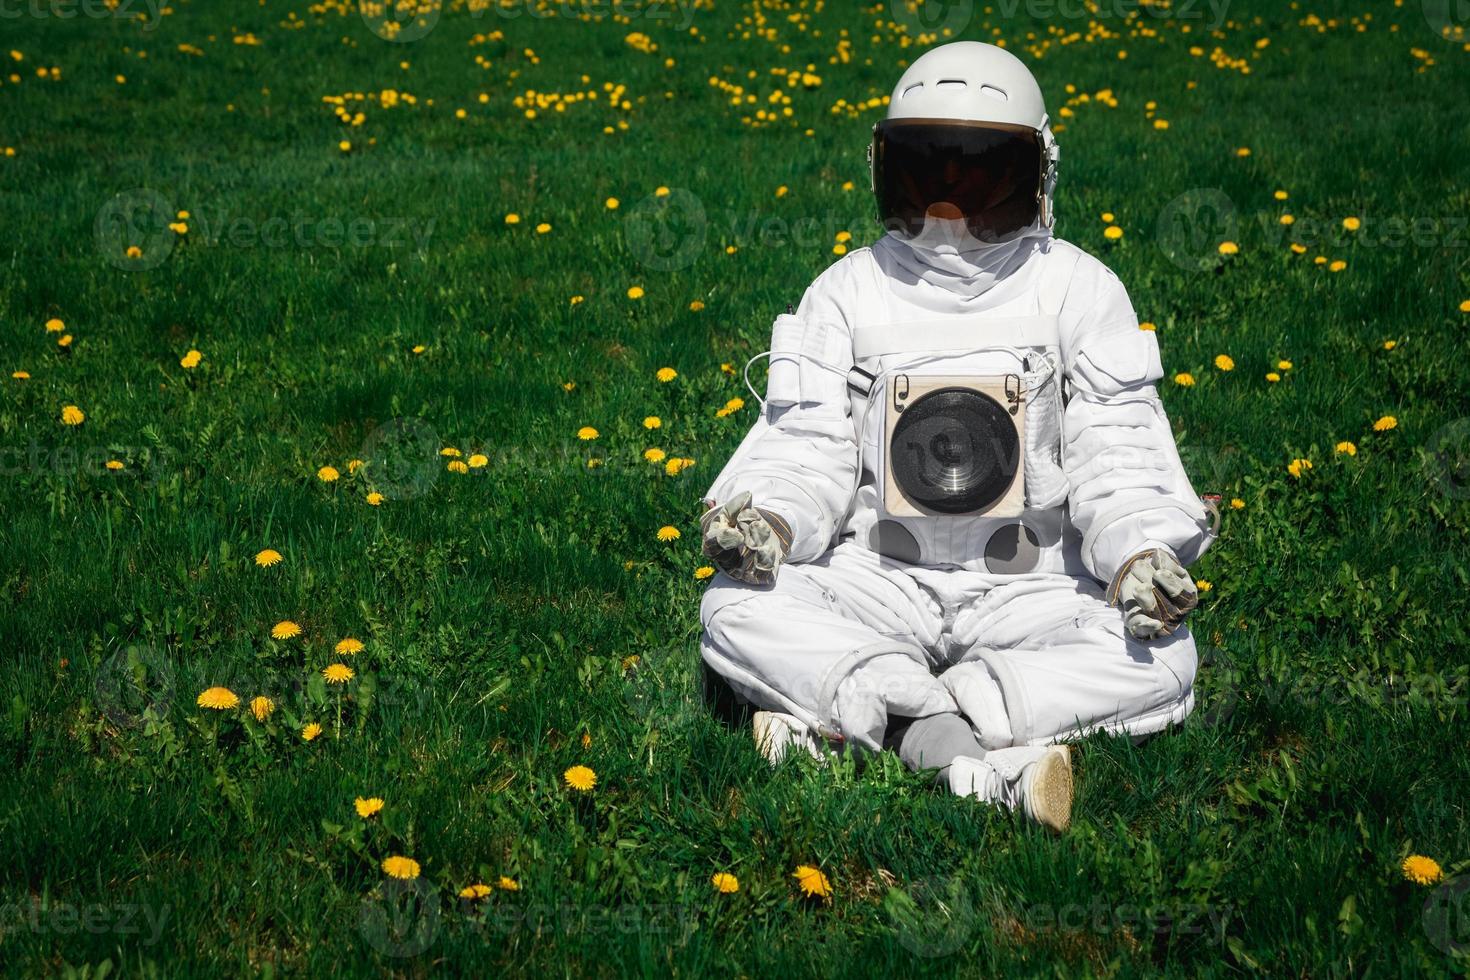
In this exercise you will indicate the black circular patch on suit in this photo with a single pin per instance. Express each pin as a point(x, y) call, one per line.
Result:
point(954, 451)
point(1012, 550)
point(892, 540)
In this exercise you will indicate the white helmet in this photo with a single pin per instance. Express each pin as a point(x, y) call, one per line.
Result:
point(967, 135)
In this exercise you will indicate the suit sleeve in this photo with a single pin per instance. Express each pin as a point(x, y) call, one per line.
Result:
point(1128, 489)
point(800, 459)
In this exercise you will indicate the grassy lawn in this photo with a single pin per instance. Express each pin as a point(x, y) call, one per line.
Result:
point(482, 392)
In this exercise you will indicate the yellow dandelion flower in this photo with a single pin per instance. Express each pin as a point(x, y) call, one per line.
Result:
point(1345, 448)
point(338, 673)
point(55, 325)
point(586, 433)
point(478, 461)
point(843, 236)
point(1287, 219)
point(735, 404)
point(328, 474)
point(1272, 377)
point(311, 731)
point(285, 630)
point(508, 884)
point(474, 892)
point(673, 466)
point(345, 146)
point(1225, 362)
point(267, 557)
point(1112, 233)
point(1107, 217)
point(652, 422)
point(348, 646)
point(1284, 365)
point(813, 882)
point(569, 386)
point(418, 348)
point(1184, 379)
point(71, 415)
point(1337, 266)
point(611, 204)
point(839, 249)
point(1385, 423)
point(1298, 466)
point(580, 778)
point(1280, 195)
point(21, 375)
point(368, 807)
point(661, 192)
point(1146, 325)
point(1228, 248)
point(696, 305)
point(1237, 504)
point(668, 533)
point(1422, 870)
point(450, 451)
point(64, 340)
point(703, 572)
point(1465, 306)
point(576, 299)
point(1351, 223)
point(191, 360)
point(1390, 344)
point(1203, 585)
point(218, 699)
point(1243, 151)
point(398, 866)
point(543, 228)
point(133, 252)
point(374, 499)
point(1298, 249)
point(654, 455)
point(725, 883)
point(457, 466)
point(114, 464)
point(261, 707)
point(635, 292)
point(666, 374)
point(512, 219)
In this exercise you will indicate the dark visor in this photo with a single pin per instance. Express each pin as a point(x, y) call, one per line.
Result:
point(989, 176)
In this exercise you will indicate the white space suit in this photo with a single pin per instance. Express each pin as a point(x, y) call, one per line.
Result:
point(880, 612)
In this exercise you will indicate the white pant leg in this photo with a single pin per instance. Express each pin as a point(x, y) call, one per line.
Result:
point(1065, 665)
point(838, 642)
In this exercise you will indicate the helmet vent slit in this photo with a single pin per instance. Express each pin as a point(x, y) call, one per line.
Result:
point(911, 90)
point(994, 93)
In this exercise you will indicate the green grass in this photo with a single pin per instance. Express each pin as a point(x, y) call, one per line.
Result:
point(498, 606)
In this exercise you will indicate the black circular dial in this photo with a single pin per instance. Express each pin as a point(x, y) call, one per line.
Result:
point(954, 451)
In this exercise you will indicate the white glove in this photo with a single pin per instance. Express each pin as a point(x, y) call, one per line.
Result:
point(747, 543)
point(1154, 592)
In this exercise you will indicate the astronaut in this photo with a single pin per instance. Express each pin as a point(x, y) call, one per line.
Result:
point(960, 527)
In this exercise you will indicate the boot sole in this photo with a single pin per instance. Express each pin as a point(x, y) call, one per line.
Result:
point(1049, 795)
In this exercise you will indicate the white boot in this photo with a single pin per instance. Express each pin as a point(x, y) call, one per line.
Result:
point(775, 733)
point(1037, 780)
